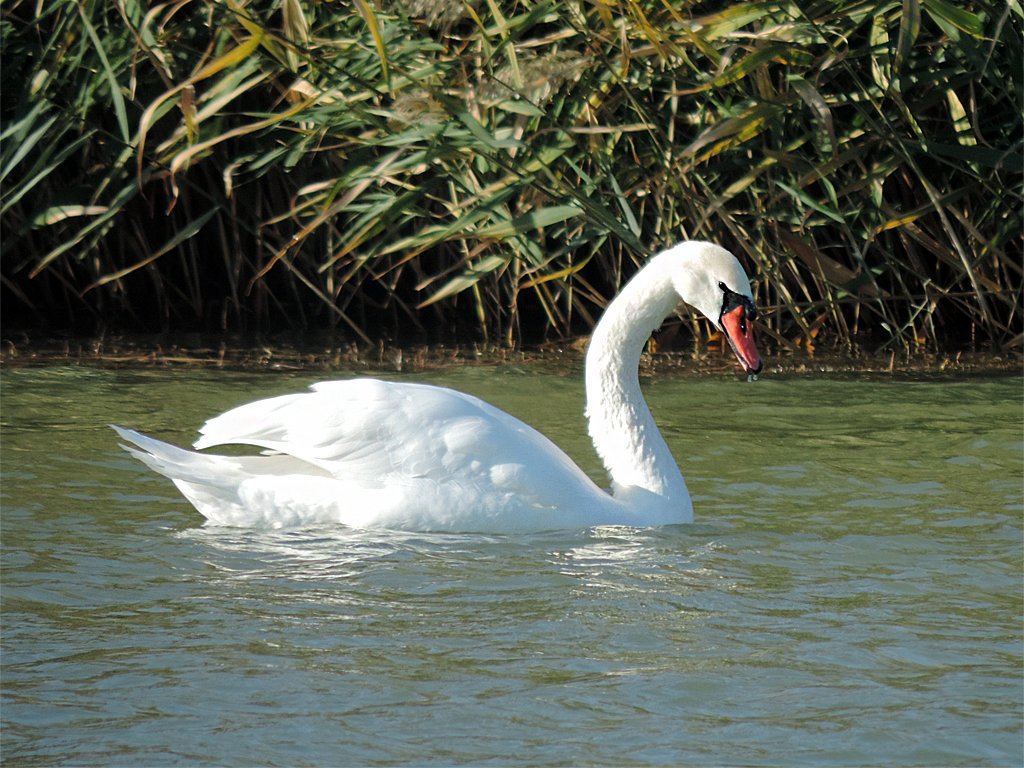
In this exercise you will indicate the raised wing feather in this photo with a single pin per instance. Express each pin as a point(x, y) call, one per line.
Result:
point(378, 434)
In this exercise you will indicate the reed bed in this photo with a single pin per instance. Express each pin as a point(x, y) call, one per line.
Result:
point(495, 170)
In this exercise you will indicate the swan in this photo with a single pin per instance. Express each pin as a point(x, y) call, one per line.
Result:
point(373, 454)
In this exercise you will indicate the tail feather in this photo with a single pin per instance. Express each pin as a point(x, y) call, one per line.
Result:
point(273, 490)
point(174, 462)
point(210, 483)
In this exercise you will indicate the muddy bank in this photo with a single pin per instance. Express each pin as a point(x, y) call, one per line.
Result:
point(332, 354)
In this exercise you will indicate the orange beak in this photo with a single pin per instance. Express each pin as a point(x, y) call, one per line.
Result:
point(739, 330)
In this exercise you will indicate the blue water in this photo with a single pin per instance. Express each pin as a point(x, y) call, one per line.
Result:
point(849, 595)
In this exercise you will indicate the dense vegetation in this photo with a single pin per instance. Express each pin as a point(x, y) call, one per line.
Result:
point(495, 168)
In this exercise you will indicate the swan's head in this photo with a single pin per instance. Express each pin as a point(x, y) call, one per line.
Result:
point(713, 282)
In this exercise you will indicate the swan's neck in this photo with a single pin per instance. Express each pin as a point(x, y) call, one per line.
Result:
point(642, 468)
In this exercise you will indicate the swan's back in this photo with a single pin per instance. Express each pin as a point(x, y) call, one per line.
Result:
point(376, 432)
point(370, 453)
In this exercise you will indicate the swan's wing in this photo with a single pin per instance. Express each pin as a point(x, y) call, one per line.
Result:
point(376, 434)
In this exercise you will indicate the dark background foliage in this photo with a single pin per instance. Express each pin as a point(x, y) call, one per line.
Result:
point(442, 170)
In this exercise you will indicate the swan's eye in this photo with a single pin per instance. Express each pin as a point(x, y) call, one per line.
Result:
point(723, 287)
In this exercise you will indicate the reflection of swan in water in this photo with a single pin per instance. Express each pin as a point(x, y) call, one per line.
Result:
point(368, 453)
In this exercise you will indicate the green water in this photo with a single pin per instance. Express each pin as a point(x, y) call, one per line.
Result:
point(849, 595)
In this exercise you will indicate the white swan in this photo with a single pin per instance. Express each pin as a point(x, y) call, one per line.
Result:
point(374, 454)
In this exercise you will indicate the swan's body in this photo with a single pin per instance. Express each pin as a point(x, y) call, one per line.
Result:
point(373, 454)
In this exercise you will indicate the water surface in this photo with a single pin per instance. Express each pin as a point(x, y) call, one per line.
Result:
point(849, 595)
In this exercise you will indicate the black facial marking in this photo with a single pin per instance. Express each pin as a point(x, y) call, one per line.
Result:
point(731, 300)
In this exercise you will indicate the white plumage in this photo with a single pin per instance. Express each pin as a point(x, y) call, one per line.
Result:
point(368, 453)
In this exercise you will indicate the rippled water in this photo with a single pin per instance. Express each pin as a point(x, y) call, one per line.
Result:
point(850, 594)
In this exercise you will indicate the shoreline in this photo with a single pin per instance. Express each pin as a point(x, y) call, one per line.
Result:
point(147, 351)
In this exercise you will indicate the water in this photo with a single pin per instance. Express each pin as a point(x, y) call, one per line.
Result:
point(849, 595)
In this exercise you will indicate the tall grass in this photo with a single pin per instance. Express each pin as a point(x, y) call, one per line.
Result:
point(500, 168)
